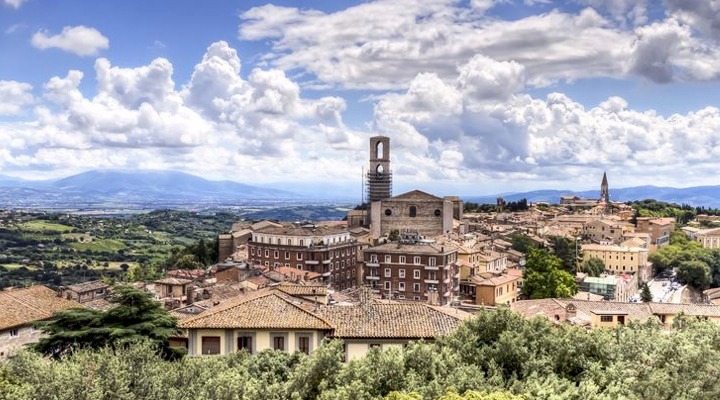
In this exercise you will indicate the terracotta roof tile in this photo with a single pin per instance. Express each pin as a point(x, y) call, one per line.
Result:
point(394, 320)
point(259, 310)
point(309, 289)
point(23, 306)
point(88, 286)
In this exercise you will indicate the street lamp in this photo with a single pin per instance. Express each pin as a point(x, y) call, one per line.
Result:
point(577, 264)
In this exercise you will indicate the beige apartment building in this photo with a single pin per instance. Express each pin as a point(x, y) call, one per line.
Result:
point(659, 230)
point(603, 230)
point(708, 238)
point(619, 259)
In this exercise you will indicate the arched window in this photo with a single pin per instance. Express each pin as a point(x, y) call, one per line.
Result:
point(413, 211)
point(380, 170)
point(380, 150)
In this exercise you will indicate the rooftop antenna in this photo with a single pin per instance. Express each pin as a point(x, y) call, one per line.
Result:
point(362, 185)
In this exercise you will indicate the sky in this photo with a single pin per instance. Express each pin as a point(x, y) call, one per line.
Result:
point(478, 97)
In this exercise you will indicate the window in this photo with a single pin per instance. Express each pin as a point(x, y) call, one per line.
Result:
point(431, 261)
point(245, 343)
point(416, 287)
point(276, 254)
point(413, 211)
point(287, 255)
point(437, 213)
point(252, 251)
point(299, 256)
point(267, 253)
point(289, 242)
point(388, 212)
point(373, 258)
point(388, 259)
point(606, 318)
point(14, 333)
point(211, 344)
point(303, 344)
point(416, 274)
point(401, 286)
point(416, 260)
point(278, 341)
point(387, 285)
point(402, 273)
point(402, 260)
point(388, 272)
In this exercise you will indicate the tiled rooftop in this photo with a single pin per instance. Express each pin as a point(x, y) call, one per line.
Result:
point(23, 306)
point(260, 310)
point(88, 286)
point(393, 320)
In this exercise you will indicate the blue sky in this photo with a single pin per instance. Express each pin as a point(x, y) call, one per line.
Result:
point(478, 96)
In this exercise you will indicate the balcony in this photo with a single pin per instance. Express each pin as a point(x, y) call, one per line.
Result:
point(432, 268)
point(432, 281)
point(326, 274)
point(312, 262)
point(372, 277)
point(326, 261)
point(372, 264)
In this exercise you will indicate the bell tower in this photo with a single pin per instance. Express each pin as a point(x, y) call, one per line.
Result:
point(379, 176)
point(604, 190)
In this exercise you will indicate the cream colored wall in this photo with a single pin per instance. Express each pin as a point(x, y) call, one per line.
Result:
point(11, 345)
point(209, 332)
point(355, 348)
point(262, 338)
point(613, 259)
point(596, 323)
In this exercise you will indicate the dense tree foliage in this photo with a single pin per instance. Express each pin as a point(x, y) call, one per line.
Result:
point(545, 278)
point(499, 206)
point(522, 243)
point(645, 293)
point(695, 265)
point(498, 355)
point(593, 266)
point(567, 250)
point(135, 315)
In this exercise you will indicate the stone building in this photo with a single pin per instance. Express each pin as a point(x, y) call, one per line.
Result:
point(330, 251)
point(620, 259)
point(20, 309)
point(416, 210)
point(422, 271)
point(659, 230)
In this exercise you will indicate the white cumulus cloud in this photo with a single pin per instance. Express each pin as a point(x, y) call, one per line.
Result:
point(79, 40)
point(14, 96)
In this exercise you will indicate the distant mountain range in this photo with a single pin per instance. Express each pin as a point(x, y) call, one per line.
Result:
point(708, 196)
point(150, 189)
point(118, 188)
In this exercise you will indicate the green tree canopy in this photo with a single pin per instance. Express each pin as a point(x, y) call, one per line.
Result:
point(544, 277)
point(645, 294)
point(695, 273)
point(593, 266)
point(135, 316)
